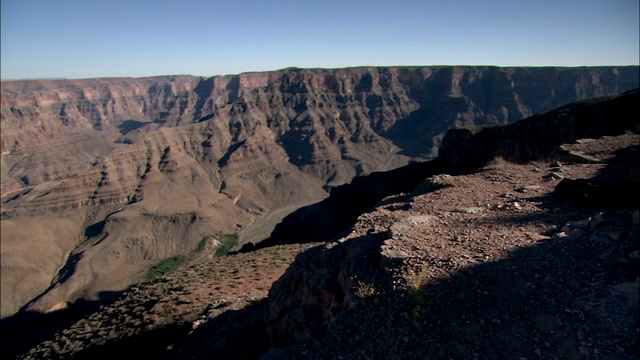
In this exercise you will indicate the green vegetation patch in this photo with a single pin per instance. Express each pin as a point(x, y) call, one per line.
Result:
point(227, 241)
point(365, 290)
point(165, 266)
point(202, 244)
point(416, 280)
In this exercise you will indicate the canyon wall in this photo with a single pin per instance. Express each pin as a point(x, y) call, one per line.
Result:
point(538, 137)
point(101, 178)
point(329, 286)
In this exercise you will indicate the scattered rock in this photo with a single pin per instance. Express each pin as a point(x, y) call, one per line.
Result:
point(433, 183)
point(572, 156)
point(553, 175)
point(513, 205)
point(527, 188)
point(560, 235)
point(390, 256)
point(468, 210)
point(400, 227)
point(419, 219)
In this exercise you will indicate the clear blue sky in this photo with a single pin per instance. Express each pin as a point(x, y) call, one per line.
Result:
point(107, 38)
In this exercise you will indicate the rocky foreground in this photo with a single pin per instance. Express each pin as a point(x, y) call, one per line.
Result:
point(511, 260)
point(491, 265)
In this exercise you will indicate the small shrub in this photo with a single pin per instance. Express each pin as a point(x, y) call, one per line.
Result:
point(165, 266)
point(497, 163)
point(416, 279)
point(202, 244)
point(364, 290)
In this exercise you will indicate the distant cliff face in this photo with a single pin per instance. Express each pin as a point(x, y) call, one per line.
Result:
point(537, 137)
point(103, 177)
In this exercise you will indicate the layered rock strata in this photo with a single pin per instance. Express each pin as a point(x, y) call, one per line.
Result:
point(502, 261)
point(105, 177)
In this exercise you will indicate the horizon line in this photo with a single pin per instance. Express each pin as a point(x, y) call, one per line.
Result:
point(55, 78)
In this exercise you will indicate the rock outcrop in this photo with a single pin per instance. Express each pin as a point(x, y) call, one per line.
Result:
point(106, 177)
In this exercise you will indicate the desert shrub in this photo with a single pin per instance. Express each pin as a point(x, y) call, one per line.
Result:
point(415, 279)
point(497, 163)
point(165, 266)
point(227, 241)
point(364, 290)
point(202, 244)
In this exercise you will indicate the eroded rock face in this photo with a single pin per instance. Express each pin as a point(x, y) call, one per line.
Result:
point(128, 171)
point(319, 287)
point(538, 137)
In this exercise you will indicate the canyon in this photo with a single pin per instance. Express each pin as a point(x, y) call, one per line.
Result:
point(522, 246)
point(103, 178)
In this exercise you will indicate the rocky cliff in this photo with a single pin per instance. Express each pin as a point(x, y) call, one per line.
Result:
point(101, 178)
point(538, 137)
point(484, 264)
